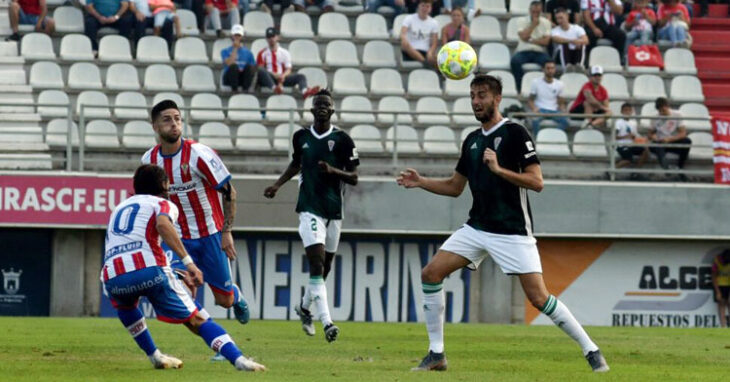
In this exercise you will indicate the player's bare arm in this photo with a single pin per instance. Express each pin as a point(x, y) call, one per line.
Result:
point(530, 179)
point(169, 235)
point(349, 177)
point(229, 214)
point(453, 186)
point(289, 173)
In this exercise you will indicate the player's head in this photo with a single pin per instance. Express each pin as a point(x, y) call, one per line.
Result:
point(457, 16)
point(662, 106)
point(486, 94)
point(150, 179)
point(548, 68)
point(424, 8)
point(561, 16)
point(627, 109)
point(167, 121)
point(535, 9)
point(322, 106)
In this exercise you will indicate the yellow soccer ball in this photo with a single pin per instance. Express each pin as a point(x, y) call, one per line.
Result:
point(457, 60)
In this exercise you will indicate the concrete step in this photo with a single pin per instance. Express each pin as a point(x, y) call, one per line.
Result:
point(9, 48)
point(17, 110)
point(35, 161)
point(15, 89)
point(12, 77)
point(25, 135)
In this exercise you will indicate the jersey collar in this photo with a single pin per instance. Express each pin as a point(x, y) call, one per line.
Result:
point(495, 127)
point(326, 133)
point(182, 143)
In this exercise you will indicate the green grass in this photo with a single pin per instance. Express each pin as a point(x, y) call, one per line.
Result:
point(96, 349)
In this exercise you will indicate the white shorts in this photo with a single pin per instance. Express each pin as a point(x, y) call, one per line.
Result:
point(515, 254)
point(316, 230)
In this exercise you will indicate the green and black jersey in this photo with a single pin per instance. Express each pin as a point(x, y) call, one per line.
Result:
point(499, 206)
point(322, 194)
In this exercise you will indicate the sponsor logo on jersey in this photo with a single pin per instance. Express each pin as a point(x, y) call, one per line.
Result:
point(126, 247)
point(530, 154)
point(215, 163)
point(331, 144)
point(181, 188)
point(473, 146)
point(354, 154)
point(305, 145)
point(497, 141)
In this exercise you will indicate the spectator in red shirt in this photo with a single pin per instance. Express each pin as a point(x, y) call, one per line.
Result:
point(640, 24)
point(276, 64)
point(673, 22)
point(221, 13)
point(592, 99)
point(29, 12)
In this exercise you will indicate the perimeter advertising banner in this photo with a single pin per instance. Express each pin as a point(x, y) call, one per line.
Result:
point(631, 283)
point(25, 272)
point(721, 149)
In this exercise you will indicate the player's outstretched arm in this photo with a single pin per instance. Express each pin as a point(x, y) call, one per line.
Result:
point(292, 170)
point(452, 186)
point(169, 236)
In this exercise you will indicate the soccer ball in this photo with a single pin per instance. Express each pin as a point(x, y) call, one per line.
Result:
point(457, 60)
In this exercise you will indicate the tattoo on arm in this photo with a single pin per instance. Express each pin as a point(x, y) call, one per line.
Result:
point(229, 206)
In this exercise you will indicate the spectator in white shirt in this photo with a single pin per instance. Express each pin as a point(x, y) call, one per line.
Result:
point(669, 131)
point(626, 133)
point(569, 42)
point(600, 21)
point(534, 33)
point(277, 69)
point(546, 97)
point(418, 35)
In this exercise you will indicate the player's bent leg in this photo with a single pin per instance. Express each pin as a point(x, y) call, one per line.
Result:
point(328, 259)
point(218, 339)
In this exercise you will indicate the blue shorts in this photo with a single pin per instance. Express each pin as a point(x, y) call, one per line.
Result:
point(26, 19)
point(210, 259)
point(161, 287)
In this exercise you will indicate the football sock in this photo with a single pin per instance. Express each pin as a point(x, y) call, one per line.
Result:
point(318, 296)
point(237, 295)
point(307, 299)
point(433, 306)
point(218, 340)
point(562, 317)
point(203, 313)
point(134, 321)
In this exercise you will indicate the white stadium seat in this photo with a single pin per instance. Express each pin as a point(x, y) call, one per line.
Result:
point(491, 7)
point(68, 20)
point(244, 101)
point(190, 50)
point(283, 134)
point(485, 28)
point(356, 103)
point(511, 36)
point(616, 86)
point(394, 104)
point(439, 140)
point(296, 25)
point(101, 134)
point(198, 78)
point(315, 77)
point(57, 132)
point(386, 82)
point(256, 23)
point(215, 135)
point(686, 89)
point(200, 102)
point(152, 49)
point(442, 20)
point(407, 139)
point(367, 138)
point(378, 54)
point(278, 107)
point(258, 45)
point(349, 81)
point(679, 61)
point(527, 80)
point(494, 56)
point(218, 46)
point(76, 47)
point(188, 23)
point(432, 105)
point(253, 136)
point(371, 26)
point(37, 46)
point(304, 53)
point(458, 88)
point(84, 75)
point(696, 110)
point(333, 26)
point(423, 82)
point(175, 97)
point(341, 53)
point(589, 143)
point(115, 48)
point(160, 77)
point(572, 83)
point(519, 7)
point(93, 98)
point(648, 87)
point(466, 114)
point(138, 135)
point(53, 97)
point(131, 99)
point(607, 57)
point(397, 26)
point(701, 146)
point(46, 75)
point(552, 142)
point(647, 110)
point(122, 77)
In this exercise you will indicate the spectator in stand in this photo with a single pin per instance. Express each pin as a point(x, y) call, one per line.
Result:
point(145, 19)
point(572, 7)
point(593, 100)
point(164, 13)
point(268, 6)
point(418, 35)
point(324, 5)
point(669, 131)
point(276, 64)
point(239, 66)
point(721, 285)
point(627, 133)
point(220, 10)
point(412, 7)
point(534, 34)
point(673, 22)
point(600, 20)
point(569, 42)
point(29, 12)
point(689, 4)
point(398, 5)
point(546, 97)
point(107, 14)
point(640, 25)
point(456, 29)
point(468, 9)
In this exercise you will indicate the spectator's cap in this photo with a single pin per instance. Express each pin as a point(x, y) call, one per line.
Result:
point(596, 69)
point(271, 32)
point(237, 30)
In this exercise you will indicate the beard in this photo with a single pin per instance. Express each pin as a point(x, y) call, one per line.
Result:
point(487, 114)
point(170, 138)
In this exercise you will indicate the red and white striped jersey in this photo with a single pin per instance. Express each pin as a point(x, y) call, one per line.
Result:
point(195, 173)
point(274, 61)
point(132, 240)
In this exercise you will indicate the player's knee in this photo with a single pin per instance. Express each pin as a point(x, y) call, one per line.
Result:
point(316, 267)
point(430, 274)
point(537, 300)
point(195, 322)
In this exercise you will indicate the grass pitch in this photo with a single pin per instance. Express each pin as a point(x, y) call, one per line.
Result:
point(96, 349)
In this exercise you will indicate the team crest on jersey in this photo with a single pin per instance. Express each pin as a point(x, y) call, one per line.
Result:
point(331, 144)
point(529, 146)
point(497, 141)
point(185, 168)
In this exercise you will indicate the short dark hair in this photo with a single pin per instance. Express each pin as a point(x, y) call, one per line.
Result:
point(494, 84)
point(149, 179)
point(536, 2)
point(548, 61)
point(323, 92)
point(660, 103)
point(425, 1)
point(560, 10)
point(625, 105)
point(161, 106)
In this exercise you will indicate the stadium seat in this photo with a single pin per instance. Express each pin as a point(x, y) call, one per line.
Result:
point(57, 132)
point(160, 77)
point(423, 82)
point(367, 138)
point(37, 46)
point(218, 46)
point(679, 61)
point(511, 35)
point(53, 97)
point(341, 53)
point(304, 53)
point(397, 26)
point(642, 69)
point(491, 7)
point(647, 110)
point(494, 56)
point(386, 82)
point(202, 101)
point(296, 25)
point(307, 114)
point(115, 48)
point(615, 107)
point(46, 75)
point(315, 77)
point(152, 49)
point(394, 104)
point(616, 86)
point(371, 26)
point(407, 140)
point(686, 89)
point(198, 78)
point(122, 77)
point(378, 54)
point(283, 134)
point(131, 99)
point(552, 142)
point(138, 135)
point(648, 87)
point(607, 57)
point(101, 134)
point(68, 20)
point(507, 102)
point(188, 23)
point(76, 47)
point(442, 20)
point(572, 83)
point(333, 26)
point(439, 140)
point(253, 136)
point(349, 81)
point(215, 135)
point(701, 146)
point(244, 101)
point(278, 106)
point(257, 45)
point(465, 133)
point(93, 98)
point(466, 115)
point(256, 23)
point(589, 143)
point(190, 50)
point(509, 89)
point(177, 98)
point(356, 103)
point(426, 105)
point(84, 75)
point(458, 88)
point(519, 7)
point(696, 110)
point(485, 28)
point(527, 80)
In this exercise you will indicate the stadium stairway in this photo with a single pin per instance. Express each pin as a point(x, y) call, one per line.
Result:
point(711, 48)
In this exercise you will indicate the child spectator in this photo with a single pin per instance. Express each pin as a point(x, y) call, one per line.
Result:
point(640, 25)
point(627, 133)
